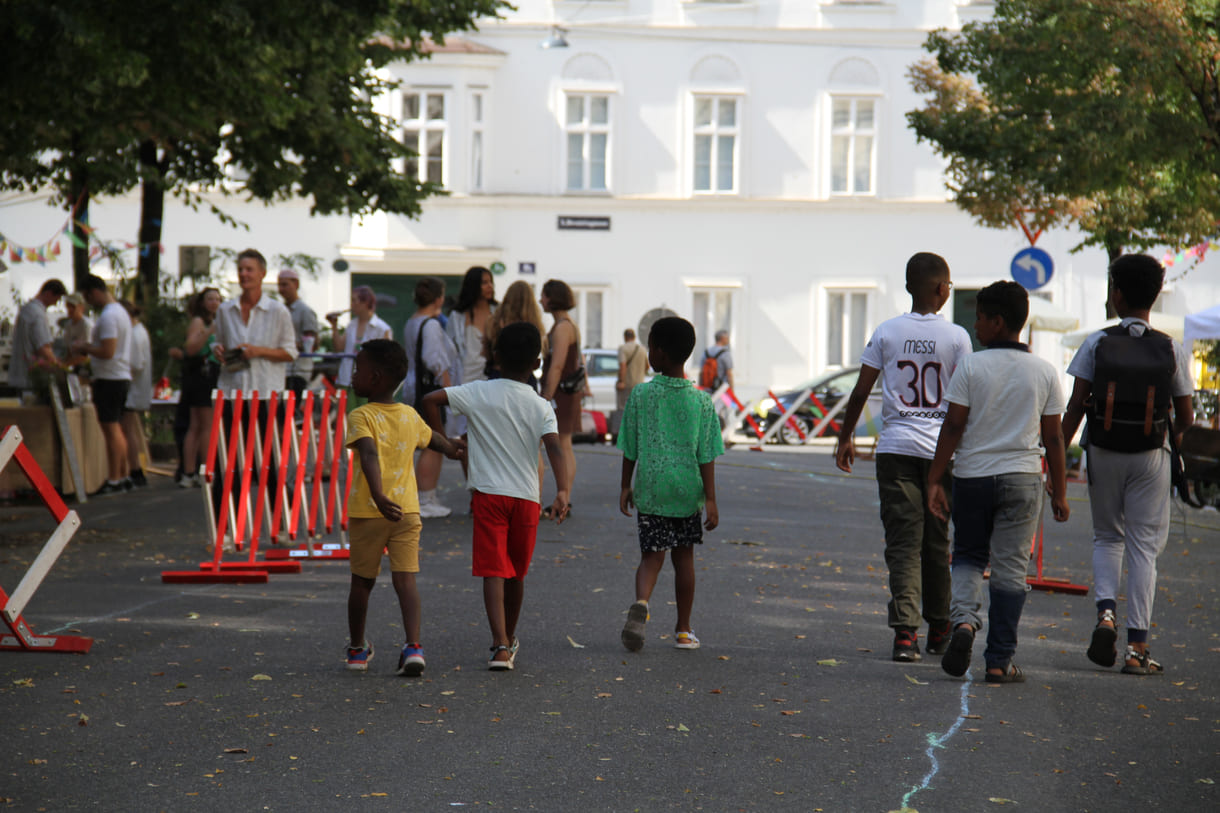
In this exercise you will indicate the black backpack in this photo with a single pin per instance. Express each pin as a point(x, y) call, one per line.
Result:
point(1128, 410)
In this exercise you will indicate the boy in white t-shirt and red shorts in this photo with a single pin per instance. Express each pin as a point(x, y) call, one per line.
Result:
point(505, 419)
point(915, 355)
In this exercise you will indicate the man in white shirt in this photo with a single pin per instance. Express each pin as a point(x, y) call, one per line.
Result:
point(304, 326)
point(254, 334)
point(109, 352)
point(32, 334)
point(915, 355)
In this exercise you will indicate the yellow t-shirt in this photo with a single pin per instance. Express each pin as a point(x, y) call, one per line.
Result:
point(398, 431)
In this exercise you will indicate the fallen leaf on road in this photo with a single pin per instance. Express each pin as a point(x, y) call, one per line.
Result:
point(1001, 801)
point(261, 677)
point(916, 681)
point(574, 644)
point(830, 662)
point(237, 751)
point(25, 683)
point(83, 720)
point(682, 727)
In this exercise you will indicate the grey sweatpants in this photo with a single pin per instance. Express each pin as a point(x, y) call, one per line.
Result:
point(1129, 497)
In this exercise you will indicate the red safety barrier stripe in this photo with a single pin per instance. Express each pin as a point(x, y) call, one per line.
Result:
point(749, 418)
point(792, 421)
point(42, 485)
point(285, 445)
point(319, 467)
point(247, 471)
point(340, 436)
point(298, 491)
point(260, 501)
point(227, 489)
point(218, 400)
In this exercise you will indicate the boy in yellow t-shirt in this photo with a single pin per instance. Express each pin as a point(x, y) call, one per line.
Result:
point(383, 506)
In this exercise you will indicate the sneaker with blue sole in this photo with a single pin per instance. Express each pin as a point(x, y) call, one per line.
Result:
point(411, 661)
point(358, 657)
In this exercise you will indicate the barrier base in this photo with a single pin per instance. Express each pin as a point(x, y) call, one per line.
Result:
point(214, 577)
point(1052, 585)
point(327, 551)
point(280, 566)
point(23, 639)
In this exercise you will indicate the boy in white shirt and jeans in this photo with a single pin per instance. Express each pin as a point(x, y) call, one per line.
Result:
point(915, 355)
point(505, 419)
point(1000, 401)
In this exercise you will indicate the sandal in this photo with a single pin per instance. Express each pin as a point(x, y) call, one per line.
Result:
point(957, 657)
point(1144, 664)
point(1012, 674)
point(500, 666)
point(1102, 650)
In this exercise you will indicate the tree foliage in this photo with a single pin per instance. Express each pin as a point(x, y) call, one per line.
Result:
point(186, 97)
point(1100, 113)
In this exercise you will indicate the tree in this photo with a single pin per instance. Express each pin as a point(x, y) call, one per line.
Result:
point(185, 97)
point(1100, 113)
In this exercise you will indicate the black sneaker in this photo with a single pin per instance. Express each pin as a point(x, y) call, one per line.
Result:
point(108, 488)
point(906, 646)
point(138, 479)
point(957, 657)
point(938, 638)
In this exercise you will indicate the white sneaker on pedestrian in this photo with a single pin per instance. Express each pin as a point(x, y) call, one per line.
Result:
point(433, 509)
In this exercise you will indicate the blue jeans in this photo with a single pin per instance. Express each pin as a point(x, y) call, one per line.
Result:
point(994, 521)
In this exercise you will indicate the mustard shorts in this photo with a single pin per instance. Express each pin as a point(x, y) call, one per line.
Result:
point(372, 536)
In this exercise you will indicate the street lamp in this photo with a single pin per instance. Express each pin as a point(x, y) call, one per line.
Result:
point(555, 40)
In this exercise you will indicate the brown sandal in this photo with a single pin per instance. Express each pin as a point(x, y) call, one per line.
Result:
point(1012, 674)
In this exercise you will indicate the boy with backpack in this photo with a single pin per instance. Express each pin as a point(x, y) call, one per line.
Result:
point(1127, 379)
point(717, 365)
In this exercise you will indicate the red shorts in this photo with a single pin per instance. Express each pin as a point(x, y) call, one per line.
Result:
point(505, 529)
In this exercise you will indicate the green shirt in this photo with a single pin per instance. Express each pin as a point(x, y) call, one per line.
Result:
point(669, 429)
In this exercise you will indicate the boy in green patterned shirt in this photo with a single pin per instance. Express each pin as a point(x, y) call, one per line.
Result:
point(670, 431)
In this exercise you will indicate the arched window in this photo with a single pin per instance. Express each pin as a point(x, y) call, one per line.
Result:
point(588, 92)
point(855, 100)
point(717, 101)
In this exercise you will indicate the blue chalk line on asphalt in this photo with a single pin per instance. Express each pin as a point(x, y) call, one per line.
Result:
point(936, 740)
point(125, 612)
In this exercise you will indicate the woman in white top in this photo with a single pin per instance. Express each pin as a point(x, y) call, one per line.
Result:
point(467, 328)
point(364, 326)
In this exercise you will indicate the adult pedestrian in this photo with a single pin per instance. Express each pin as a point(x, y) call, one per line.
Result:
point(467, 329)
point(32, 335)
point(76, 329)
point(254, 334)
point(632, 367)
point(560, 364)
point(304, 327)
point(432, 364)
point(723, 356)
point(200, 372)
point(139, 395)
point(1127, 380)
point(109, 350)
point(365, 325)
point(518, 305)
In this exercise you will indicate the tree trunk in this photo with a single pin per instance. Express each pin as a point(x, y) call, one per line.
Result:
point(152, 209)
point(79, 209)
point(1114, 250)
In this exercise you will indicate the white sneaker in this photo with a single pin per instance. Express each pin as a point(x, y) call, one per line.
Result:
point(433, 509)
point(189, 481)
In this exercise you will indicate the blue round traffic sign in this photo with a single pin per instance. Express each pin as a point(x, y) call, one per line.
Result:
point(1032, 268)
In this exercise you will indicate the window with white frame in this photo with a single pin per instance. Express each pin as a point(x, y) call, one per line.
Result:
point(589, 313)
point(587, 127)
point(716, 137)
point(425, 130)
point(478, 139)
point(711, 311)
point(853, 131)
point(846, 326)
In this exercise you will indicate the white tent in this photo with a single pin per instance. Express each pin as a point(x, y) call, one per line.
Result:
point(1164, 322)
point(1045, 316)
point(1203, 325)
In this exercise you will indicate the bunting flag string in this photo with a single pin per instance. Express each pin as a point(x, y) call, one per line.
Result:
point(50, 250)
point(46, 251)
point(1195, 253)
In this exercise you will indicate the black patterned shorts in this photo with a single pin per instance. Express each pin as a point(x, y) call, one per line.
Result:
point(659, 533)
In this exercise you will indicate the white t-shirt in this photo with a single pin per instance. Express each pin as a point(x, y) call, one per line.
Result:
point(505, 421)
point(113, 323)
point(139, 395)
point(376, 328)
point(916, 354)
point(1008, 391)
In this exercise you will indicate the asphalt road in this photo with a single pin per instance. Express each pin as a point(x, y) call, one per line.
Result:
point(235, 697)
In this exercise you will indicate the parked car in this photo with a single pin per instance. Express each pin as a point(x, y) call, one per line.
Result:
point(601, 368)
point(829, 389)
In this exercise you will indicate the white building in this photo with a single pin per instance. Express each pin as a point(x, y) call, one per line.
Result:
point(746, 164)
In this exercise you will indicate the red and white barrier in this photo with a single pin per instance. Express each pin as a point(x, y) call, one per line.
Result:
point(21, 636)
point(293, 507)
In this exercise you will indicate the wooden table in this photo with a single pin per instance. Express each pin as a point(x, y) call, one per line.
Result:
point(37, 424)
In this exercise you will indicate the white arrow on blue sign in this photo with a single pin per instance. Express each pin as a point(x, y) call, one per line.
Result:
point(1032, 268)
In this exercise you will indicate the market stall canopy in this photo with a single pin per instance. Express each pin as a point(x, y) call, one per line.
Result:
point(1164, 322)
point(1203, 325)
point(1043, 315)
